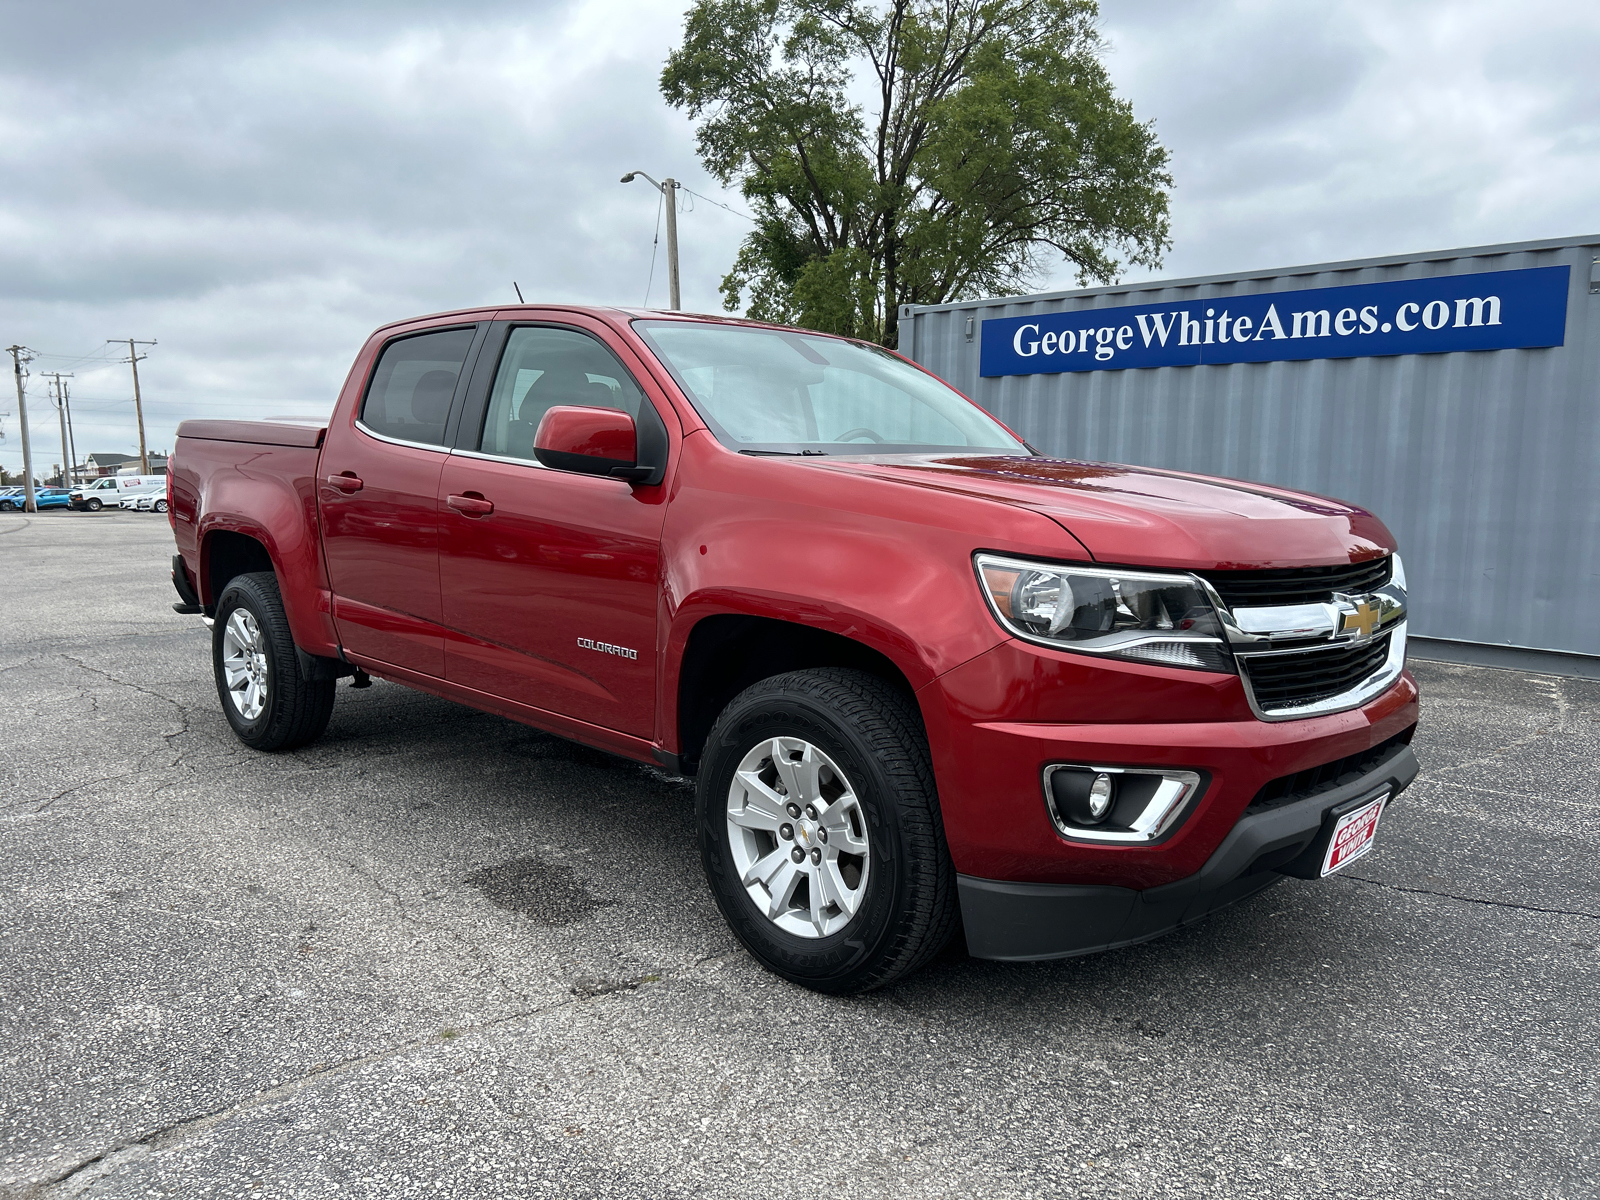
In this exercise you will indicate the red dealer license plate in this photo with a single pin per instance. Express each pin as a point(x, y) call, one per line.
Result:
point(1352, 836)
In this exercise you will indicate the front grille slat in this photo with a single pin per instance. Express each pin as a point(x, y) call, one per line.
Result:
point(1282, 681)
point(1297, 585)
point(1325, 778)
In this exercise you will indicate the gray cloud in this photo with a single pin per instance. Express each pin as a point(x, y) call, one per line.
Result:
point(1306, 133)
point(258, 186)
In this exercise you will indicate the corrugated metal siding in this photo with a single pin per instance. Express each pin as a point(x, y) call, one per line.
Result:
point(1486, 465)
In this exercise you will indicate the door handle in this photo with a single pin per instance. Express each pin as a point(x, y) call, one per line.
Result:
point(471, 506)
point(346, 482)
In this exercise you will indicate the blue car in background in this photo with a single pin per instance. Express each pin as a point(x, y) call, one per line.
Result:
point(43, 498)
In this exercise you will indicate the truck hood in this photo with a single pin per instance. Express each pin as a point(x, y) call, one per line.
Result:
point(1143, 516)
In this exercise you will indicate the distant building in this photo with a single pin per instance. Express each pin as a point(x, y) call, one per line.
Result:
point(97, 465)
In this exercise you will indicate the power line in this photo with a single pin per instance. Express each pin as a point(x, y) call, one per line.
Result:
point(72, 360)
point(721, 205)
point(655, 242)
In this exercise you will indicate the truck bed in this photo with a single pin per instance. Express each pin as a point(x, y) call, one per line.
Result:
point(288, 431)
point(266, 493)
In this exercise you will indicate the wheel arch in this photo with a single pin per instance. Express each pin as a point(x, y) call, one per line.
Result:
point(229, 547)
point(724, 653)
point(226, 554)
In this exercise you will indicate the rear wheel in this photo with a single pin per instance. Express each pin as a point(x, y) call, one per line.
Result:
point(820, 831)
point(266, 698)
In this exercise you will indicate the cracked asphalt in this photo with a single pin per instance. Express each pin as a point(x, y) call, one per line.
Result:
point(440, 954)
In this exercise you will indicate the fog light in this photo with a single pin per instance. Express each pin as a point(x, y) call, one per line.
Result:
point(1117, 804)
point(1084, 798)
point(1100, 792)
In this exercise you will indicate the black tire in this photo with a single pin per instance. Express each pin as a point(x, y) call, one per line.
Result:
point(875, 735)
point(6, 506)
point(160, 506)
point(93, 504)
point(296, 709)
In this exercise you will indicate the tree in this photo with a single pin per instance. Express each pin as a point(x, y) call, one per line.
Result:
point(991, 139)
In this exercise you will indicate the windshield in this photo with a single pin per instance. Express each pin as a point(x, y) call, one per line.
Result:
point(771, 391)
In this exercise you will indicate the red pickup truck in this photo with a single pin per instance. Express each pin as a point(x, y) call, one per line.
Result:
point(925, 676)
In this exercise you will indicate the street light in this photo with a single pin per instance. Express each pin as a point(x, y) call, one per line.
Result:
point(668, 188)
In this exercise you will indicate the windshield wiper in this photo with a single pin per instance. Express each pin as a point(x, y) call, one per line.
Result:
point(787, 453)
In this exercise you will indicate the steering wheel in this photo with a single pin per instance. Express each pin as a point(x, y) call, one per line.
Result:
point(851, 435)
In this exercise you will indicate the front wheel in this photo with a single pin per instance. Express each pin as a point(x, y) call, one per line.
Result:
point(266, 698)
point(93, 504)
point(820, 831)
point(160, 506)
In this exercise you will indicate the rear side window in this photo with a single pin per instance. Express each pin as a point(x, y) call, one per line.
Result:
point(544, 367)
point(409, 397)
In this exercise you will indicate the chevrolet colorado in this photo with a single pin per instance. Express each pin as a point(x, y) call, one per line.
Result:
point(925, 678)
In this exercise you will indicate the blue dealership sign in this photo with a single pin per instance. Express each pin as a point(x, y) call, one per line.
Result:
point(1493, 310)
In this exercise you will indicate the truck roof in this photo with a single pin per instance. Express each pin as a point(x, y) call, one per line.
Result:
point(616, 314)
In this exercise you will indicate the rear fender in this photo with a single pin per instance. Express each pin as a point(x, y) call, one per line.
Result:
point(280, 514)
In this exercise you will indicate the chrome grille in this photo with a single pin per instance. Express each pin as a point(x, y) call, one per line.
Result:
point(1297, 585)
point(1290, 680)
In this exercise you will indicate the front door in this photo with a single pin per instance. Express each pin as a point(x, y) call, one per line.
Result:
point(550, 597)
point(377, 490)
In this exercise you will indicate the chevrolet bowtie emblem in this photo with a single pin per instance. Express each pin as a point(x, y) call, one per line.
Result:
point(1363, 622)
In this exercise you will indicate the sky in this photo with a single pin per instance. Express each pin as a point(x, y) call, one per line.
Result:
point(256, 187)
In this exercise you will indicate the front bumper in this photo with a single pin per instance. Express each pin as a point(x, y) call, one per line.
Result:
point(1021, 921)
point(996, 723)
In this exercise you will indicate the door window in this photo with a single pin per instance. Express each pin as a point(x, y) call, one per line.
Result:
point(409, 397)
point(545, 367)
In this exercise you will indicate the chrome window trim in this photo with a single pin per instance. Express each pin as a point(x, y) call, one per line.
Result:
point(529, 462)
point(1168, 810)
point(394, 441)
point(504, 458)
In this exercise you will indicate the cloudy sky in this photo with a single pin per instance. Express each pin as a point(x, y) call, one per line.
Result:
point(256, 186)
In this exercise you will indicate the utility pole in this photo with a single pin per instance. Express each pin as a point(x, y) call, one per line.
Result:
point(72, 442)
point(138, 405)
point(61, 415)
point(668, 188)
point(29, 504)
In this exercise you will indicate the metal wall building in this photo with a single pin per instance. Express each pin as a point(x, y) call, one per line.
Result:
point(1484, 462)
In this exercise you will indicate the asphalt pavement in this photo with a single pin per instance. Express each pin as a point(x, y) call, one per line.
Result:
point(442, 954)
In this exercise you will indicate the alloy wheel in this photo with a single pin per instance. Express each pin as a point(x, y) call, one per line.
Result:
point(244, 663)
point(798, 836)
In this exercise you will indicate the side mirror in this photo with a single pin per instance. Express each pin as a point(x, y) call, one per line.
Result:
point(590, 441)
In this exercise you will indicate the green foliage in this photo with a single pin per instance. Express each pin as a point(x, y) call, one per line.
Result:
point(991, 140)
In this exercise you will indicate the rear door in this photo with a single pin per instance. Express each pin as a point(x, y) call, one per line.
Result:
point(551, 598)
point(377, 490)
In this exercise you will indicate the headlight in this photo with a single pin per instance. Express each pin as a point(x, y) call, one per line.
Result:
point(1164, 619)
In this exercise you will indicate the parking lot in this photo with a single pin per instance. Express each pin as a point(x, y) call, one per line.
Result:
point(441, 954)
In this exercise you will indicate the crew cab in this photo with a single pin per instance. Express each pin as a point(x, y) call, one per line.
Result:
point(925, 678)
